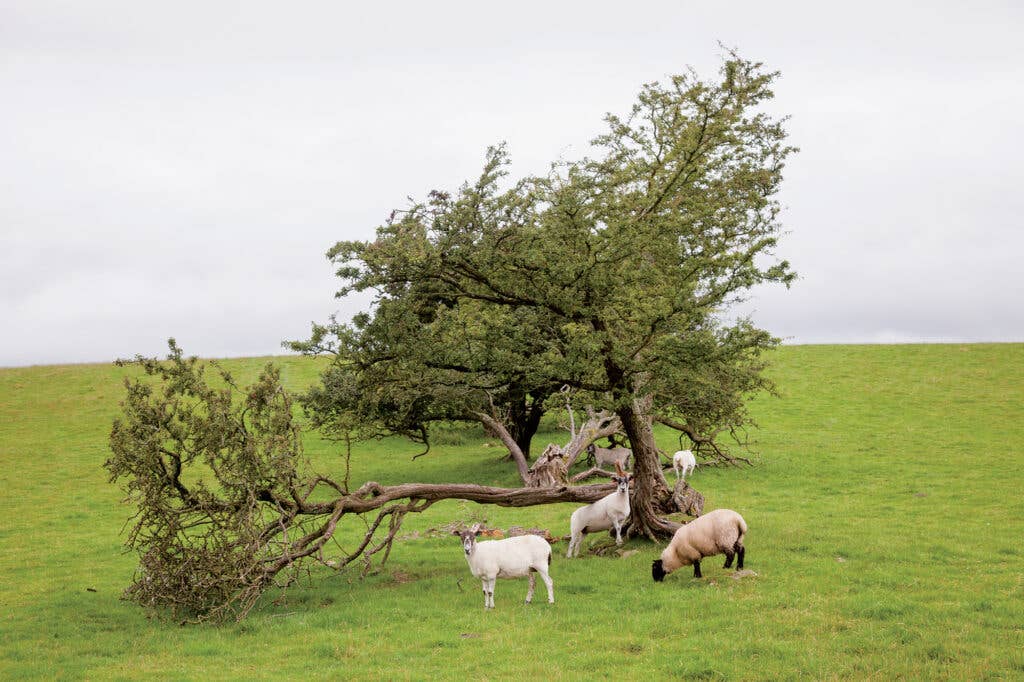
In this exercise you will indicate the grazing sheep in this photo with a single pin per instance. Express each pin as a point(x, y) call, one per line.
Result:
point(718, 532)
point(609, 512)
point(508, 558)
point(684, 463)
point(603, 456)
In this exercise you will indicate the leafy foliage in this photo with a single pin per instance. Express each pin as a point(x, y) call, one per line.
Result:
point(610, 275)
point(201, 464)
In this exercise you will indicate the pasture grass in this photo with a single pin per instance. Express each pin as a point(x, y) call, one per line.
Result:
point(885, 515)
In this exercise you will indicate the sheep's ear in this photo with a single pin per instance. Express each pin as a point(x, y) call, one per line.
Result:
point(456, 532)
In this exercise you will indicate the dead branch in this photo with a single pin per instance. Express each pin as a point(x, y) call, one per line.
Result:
point(591, 473)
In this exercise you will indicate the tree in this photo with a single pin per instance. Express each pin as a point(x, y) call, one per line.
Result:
point(611, 275)
point(227, 506)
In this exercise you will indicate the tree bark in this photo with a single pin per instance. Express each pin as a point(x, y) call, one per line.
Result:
point(496, 427)
point(651, 497)
point(598, 425)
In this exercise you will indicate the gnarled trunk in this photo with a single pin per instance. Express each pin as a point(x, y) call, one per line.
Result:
point(652, 497)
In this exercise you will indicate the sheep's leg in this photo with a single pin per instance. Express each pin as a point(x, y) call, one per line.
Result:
point(488, 586)
point(696, 569)
point(572, 544)
point(533, 583)
point(618, 532)
point(549, 584)
point(739, 555)
point(728, 559)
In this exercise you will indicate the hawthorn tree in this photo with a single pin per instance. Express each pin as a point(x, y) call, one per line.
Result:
point(612, 275)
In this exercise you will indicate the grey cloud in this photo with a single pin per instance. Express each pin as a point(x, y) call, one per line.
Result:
point(181, 169)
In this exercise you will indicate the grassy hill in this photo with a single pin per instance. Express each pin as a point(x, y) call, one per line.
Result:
point(885, 513)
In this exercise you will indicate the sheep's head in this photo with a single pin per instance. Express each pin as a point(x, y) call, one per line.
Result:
point(468, 538)
point(658, 571)
point(621, 478)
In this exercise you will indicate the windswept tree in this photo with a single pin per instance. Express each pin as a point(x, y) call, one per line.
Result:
point(612, 274)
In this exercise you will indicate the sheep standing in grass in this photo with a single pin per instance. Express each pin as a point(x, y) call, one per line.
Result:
point(508, 558)
point(684, 463)
point(718, 532)
point(609, 512)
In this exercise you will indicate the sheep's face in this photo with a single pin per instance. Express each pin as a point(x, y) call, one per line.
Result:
point(622, 482)
point(468, 538)
point(658, 571)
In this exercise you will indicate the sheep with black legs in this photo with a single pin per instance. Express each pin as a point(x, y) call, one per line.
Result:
point(611, 511)
point(684, 463)
point(508, 558)
point(718, 532)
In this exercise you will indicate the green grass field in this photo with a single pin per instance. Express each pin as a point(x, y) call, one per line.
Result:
point(885, 509)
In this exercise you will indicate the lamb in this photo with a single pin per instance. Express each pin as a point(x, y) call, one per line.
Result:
point(610, 511)
point(718, 532)
point(604, 456)
point(508, 558)
point(684, 463)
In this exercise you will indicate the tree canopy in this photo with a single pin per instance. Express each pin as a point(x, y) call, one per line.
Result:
point(612, 274)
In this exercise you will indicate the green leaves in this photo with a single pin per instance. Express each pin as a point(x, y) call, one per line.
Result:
point(605, 273)
point(199, 460)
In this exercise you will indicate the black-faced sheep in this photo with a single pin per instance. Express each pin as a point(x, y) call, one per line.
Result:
point(718, 532)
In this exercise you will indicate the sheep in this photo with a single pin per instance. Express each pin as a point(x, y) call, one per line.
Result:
point(608, 512)
point(604, 456)
point(718, 532)
point(508, 558)
point(684, 463)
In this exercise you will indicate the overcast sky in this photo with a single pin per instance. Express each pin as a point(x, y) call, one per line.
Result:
point(179, 169)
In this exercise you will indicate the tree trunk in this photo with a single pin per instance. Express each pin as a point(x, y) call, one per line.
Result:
point(651, 497)
point(498, 429)
point(523, 426)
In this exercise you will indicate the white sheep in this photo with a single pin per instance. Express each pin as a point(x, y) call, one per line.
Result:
point(684, 463)
point(508, 558)
point(718, 532)
point(609, 512)
point(614, 455)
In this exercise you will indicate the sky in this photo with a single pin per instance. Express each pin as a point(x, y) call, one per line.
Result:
point(180, 169)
